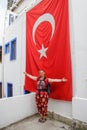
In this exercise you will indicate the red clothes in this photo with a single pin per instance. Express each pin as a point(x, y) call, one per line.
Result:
point(42, 102)
point(42, 96)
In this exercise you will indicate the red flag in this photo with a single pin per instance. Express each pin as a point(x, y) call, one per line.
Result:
point(48, 46)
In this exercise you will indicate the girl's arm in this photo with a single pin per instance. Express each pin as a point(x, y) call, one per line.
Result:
point(30, 76)
point(57, 80)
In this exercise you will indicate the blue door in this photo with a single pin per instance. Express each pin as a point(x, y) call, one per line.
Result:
point(9, 90)
point(0, 90)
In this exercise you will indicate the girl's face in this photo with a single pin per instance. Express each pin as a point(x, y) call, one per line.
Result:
point(41, 73)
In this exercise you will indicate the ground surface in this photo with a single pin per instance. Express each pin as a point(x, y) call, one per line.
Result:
point(32, 123)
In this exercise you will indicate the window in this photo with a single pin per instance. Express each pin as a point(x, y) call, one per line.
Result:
point(11, 19)
point(0, 54)
point(13, 50)
point(9, 90)
point(7, 48)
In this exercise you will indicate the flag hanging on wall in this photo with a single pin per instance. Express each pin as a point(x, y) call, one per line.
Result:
point(48, 46)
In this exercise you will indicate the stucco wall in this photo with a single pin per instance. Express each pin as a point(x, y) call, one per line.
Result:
point(16, 108)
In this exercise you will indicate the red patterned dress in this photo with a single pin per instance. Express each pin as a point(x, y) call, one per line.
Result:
point(42, 96)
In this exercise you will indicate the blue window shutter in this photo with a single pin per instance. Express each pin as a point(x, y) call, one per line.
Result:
point(13, 49)
point(6, 48)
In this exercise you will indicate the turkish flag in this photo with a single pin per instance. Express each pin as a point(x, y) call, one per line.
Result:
point(48, 46)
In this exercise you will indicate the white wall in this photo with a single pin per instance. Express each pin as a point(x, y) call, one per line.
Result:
point(78, 31)
point(79, 109)
point(3, 7)
point(62, 108)
point(2, 16)
point(0, 72)
point(13, 70)
point(3, 4)
point(16, 108)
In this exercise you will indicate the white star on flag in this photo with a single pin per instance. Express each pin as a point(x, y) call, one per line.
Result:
point(42, 52)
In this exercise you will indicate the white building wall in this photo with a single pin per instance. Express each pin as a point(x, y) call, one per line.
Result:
point(3, 4)
point(79, 108)
point(0, 72)
point(3, 7)
point(2, 15)
point(78, 30)
point(13, 69)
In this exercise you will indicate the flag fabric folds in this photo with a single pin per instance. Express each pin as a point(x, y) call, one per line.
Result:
point(48, 46)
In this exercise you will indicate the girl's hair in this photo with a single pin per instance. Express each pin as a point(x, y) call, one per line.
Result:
point(43, 71)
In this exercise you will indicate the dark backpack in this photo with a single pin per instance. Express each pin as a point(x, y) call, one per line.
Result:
point(47, 86)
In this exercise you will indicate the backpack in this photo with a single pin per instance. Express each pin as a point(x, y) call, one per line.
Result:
point(47, 86)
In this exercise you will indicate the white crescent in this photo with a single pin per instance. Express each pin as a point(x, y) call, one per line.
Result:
point(45, 17)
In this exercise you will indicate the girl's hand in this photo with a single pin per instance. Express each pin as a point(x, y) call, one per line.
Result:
point(64, 79)
point(25, 73)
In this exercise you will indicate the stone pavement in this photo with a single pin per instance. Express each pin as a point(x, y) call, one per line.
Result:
point(31, 123)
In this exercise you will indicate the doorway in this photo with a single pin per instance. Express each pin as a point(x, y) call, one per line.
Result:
point(0, 90)
point(9, 90)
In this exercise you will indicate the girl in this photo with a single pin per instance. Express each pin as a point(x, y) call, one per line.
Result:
point(42, 93)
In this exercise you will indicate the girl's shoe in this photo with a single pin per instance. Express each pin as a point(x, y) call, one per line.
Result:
point(42, 120)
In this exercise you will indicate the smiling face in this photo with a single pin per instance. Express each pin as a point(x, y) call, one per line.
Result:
point(41, 73)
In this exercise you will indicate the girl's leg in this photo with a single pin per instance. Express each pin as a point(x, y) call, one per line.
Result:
point(38, 103)
point(44, 106)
